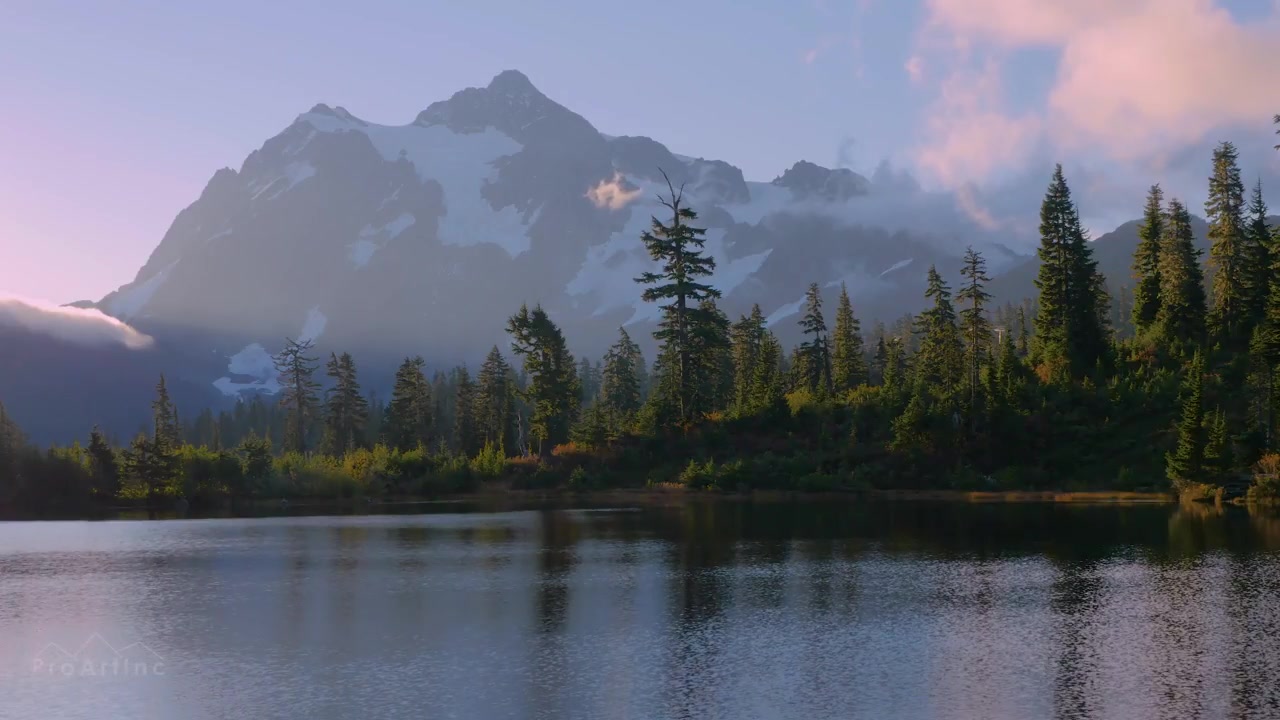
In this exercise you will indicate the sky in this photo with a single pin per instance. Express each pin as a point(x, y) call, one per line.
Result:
point(114, 115)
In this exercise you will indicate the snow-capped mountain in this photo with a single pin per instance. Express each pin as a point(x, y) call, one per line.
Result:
point(423, 238)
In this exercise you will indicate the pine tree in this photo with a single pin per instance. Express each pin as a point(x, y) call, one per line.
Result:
point(746, 340)
point(409, 419)
point(553, 389)
point(1186, 463)
point(678, 247)
point(713, 361)
point(103, 466)
point(894, 367)
point(165, 431)
point(939, 359)
point(975, 328)
point(1024, 334)
point(346, 410)
point(1228, 253)
point(1257, 235)
point(1146, 262)
point(298, 391)
point(494, 401)
point(767, 390)
point(1071, 334)
point(814, 357)
point(848, 366)
point(465, 436)
point(879, 360)
point(620, 379)
point(1218, 455)
point(1180, 321)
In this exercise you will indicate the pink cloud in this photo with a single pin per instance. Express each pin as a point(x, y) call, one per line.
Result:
point(612, 194)
point(915, 69)
point(1134, 78)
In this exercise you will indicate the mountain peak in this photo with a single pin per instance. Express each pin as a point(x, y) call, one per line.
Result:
point(512, 83)
point(807, 179)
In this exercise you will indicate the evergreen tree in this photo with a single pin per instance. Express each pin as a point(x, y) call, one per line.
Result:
point(880, 360)
point(620, 379)
point(678, 247)
point(894, 367)
point(1180, 321)
point(553, 389)
point(1257, 236)
point(409, 419)
point(1071, 335)
point(1024, 334)
point(346, 410)
point(1218, 455)
point(298, 391)
point(465, 436)
point(814, 357)
point(768, 376)
point(1186, 463)
point(1146, 262)
point(494, 401)
point(713, 361)
point(848, 366)
point(1228, 253)
point(975, 328)
point(939, 359)
point(746, 340)
point(165, 432)
point(103, 466)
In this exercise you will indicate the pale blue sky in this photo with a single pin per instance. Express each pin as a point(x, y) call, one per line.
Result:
point(113, 115)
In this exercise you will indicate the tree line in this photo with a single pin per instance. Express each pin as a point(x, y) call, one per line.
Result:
point(964, 394)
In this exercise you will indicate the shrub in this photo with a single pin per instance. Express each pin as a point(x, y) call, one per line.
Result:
point(700, 476)
point(490, 462)
point(580, 480)
point(1266, 480)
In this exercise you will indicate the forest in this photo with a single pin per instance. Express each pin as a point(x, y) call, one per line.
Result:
point(1172, 387)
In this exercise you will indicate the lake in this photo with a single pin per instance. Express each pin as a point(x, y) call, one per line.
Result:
point(697, 609)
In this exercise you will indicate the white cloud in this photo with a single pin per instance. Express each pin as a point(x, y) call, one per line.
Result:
point(75, 325)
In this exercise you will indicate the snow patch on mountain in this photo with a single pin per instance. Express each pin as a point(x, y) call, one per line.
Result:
point(294, 173)
point(462, 163)
point(255, 363)
point(313, 326)
point(784, 312)
point(372, 239)
point(128, 303)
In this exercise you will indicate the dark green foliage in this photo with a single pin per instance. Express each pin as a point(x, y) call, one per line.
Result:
point(298, 391)
point(1071, 334)
point(975, 328)
point(1229, 254)
point(553, 389)
point(495, 396)
point(1185, 465)
point(686, 318)
point(346, 409)
point(938, 363)
point(848, 366)
point(466, 438)
point(1146, 262)
point(1181, 318)
point(1258, 268)
point(620, 382)
point(408, 423)
point(813, 357)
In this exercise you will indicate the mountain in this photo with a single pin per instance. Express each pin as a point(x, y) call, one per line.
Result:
point(423, 238)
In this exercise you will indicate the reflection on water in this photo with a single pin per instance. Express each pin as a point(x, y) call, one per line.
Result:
point(704, 609)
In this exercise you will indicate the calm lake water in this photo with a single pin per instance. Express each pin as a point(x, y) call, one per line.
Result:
point(707, 609)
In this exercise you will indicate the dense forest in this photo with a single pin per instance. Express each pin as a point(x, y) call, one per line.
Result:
point(1174, 386)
